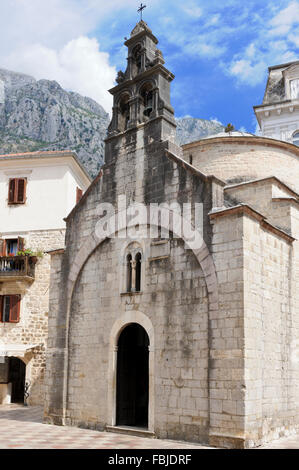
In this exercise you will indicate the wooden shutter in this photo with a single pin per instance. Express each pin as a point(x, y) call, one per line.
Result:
point(11, 191)
point(2, 247)
point(15, 303)
point(21, 191)
point(79, 194)
point(21, 244)
point(17, 190)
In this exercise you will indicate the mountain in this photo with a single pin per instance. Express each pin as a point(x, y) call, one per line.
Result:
point(41, 115)
point(191, 129)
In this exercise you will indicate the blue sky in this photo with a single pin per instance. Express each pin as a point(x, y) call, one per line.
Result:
point(219, 52)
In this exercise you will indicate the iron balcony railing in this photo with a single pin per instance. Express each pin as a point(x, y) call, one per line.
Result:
point(17, 267)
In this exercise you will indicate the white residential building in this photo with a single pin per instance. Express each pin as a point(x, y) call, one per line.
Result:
point(278, 116)
point(37, 190)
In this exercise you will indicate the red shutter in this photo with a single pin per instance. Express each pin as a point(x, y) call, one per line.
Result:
point(21, 192)
point(79, 194)
point(17, 191)
point(2, 247)
point(1, 308)
point(11, 191)
point(15, 303)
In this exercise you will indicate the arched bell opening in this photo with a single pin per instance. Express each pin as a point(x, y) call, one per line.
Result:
point(124, 113)
point(136, 60)
point(147, 100)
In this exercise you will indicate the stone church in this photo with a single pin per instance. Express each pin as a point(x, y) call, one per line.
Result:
point(152, 335)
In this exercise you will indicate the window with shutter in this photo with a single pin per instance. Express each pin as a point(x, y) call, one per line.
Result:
point(10, 308)
point(21, 244)
point(11, 191)
point(17, 191)
point(2, 247)
point(21, 191)
point(14, 314)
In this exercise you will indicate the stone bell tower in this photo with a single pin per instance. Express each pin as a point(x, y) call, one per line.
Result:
point(141, 98)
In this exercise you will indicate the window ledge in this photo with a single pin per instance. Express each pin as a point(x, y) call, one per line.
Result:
point(131, 293)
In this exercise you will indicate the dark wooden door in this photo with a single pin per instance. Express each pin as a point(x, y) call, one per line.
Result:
point(17, 372)
point(132, 377)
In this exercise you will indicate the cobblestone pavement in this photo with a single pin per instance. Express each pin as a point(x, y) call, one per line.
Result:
point(22, 428)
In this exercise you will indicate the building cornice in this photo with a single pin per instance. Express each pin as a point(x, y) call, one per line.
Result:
point(148, 73)
point(244, 140)
point(192, 169)
point(39, 157)
point(272, 179)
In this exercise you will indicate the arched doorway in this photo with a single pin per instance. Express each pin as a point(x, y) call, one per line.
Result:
point(17, 373)
point(132, 377)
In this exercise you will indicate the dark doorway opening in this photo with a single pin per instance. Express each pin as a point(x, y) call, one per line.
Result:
point(17, 373)
point(132, 377)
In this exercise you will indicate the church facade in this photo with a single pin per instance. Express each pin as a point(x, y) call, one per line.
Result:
point(158, 332)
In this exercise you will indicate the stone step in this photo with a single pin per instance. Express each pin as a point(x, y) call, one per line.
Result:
point(139, 432)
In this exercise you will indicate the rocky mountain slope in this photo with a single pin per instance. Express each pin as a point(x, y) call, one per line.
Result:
point(41, 115)
point(191, 129)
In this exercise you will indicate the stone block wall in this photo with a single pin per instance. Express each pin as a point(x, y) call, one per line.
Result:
point(243, 159)
point(33, 325)
point(227, 376)
point(256, 328)
point(271, 334)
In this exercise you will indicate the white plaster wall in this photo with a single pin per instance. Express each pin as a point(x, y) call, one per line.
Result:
point(280, 126)
point(50, 196)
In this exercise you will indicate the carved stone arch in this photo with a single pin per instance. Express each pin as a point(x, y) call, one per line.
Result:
point(150, 81)
point(148, 99)
point(123, 110)
point(137, 59)
point(91, 243)
point(132, 248)
point(133, 316)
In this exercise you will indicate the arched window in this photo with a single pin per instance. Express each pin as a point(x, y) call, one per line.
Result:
point(138, 272)
point(124, 113)
point(133, 269)
point(137, 60)
point(129, 273)
point(147, 102)
point(296, 138)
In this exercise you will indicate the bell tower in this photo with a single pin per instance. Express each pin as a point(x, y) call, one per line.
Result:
point(141, 98)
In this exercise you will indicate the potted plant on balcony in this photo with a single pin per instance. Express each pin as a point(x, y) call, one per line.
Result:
point(33, 255)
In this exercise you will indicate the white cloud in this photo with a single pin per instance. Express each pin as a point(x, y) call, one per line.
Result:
point(285, 19)
point(248, 72)
point(275, 43)
point(195, 12)
point(78, 66)
point(55, 40)
point(216, 120)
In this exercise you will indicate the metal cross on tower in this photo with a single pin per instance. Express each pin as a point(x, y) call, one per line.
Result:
point(140, 10)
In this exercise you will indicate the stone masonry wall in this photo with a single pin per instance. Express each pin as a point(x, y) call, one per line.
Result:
point(174, 298)
point(227, 381)
point(33, 325)
point(271, 334)
point(235, 162)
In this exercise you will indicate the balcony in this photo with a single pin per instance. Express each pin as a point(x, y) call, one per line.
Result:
point(17, 268)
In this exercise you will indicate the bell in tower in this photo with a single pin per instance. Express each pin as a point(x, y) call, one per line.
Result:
point(142, 94)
